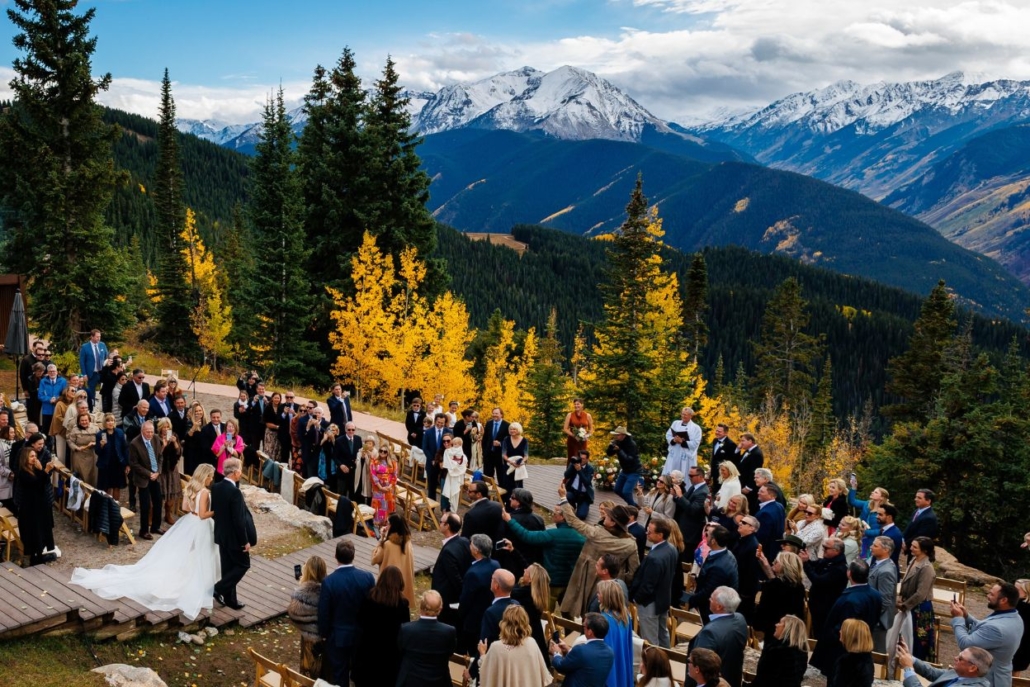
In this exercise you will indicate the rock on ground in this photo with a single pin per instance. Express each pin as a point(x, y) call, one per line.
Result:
point(260, 500)
point(121, 675)
point(948, 566)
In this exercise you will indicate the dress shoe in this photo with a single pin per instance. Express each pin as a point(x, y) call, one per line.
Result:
point(220, 599)
point(237, 606)
point(146, 535)
point(158, 532)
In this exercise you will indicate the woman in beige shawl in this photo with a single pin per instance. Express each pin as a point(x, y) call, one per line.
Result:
point(611, 537)
point(514, 659)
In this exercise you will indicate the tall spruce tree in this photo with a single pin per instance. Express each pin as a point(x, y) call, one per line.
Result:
point(281, 298)
point(916, 374)
point(236, 281)
point(395, 207)
point(785, 353)
point(549, 390)
point(824, 423)
point(58, 177)
point(178, 294)
point(695, 305)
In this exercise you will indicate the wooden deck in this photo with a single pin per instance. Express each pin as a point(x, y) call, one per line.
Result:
point(543, 482)
point(41, 600)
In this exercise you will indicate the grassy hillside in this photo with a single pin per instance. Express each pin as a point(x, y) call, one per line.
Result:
point(492, 180)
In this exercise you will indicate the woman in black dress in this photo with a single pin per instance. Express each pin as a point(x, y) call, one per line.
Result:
point(514, 454)
point(783, 593)
point(534, 594)
point(855, 668)
point(35, 505)
point(112, 458)
point(380, 617)
point(785, 655)
point(193, 453)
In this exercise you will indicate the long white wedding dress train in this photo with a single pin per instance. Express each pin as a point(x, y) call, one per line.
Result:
point(179, 571)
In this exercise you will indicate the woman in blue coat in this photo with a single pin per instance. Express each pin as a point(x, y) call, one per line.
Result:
point(867, 512)
point(112, 458)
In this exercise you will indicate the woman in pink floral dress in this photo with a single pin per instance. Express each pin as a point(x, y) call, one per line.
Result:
point(384, 481)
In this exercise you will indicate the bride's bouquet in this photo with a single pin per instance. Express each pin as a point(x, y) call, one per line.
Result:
point(581, 434)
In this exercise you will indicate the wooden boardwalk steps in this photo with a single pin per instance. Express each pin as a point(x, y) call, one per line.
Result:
point(41, 600)
point(543, 483)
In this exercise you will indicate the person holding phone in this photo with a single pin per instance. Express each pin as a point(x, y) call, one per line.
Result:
point(171, 475)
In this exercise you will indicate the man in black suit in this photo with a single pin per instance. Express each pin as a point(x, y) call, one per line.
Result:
point(426, 646)
point(725, 634)
point(651, 589)
point(134, 391)
point(484, 515)
point(723, 448)
point(858, 600)
point(287, 411)
point(718, 570)
point(435, 439)
point(180, 418)
point(208, 434)
point(345, 456)
point(750, 458)
point(924, 520)
point(413, 423)
point(234, 533)
point(746, 553)
point(501, 584)
point(145, 466)
point(339, 406)
point(494, 433)
point(343, 590)
point(476, 596)
point(451, 565)
point(690, 512)
point(885, 518)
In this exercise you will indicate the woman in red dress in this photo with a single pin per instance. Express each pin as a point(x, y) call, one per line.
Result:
point(578, 428)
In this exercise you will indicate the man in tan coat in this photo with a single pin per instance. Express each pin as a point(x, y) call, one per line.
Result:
point(145, 465)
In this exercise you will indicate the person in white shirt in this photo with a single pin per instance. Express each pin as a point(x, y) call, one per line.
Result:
point(683, 438)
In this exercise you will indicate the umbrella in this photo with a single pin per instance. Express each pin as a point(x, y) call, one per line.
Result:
point(17, 342)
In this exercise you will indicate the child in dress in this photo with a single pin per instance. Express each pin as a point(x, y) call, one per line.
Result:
point(455, 463)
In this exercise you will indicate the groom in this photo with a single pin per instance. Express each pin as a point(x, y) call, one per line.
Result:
point(234, 533)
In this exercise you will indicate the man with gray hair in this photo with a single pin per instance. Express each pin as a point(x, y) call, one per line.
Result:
point(234, 532)
point(763, 477)
point(883, 577)
point(970, 670)
point(476, 595)
point(144, 464)
point(725, 634)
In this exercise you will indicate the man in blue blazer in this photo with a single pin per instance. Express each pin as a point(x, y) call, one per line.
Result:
point(476, 596)
point(718, 570)
point(858, 600)
point(771, 520)
point(885, 518)
point(587, 664)
point(92, 355)
point(725, 634)
point(432, 441)
point(999, 633)
point(339, 407)
point(342, 593)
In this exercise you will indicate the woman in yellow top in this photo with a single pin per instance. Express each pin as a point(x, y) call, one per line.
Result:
point(395, 549)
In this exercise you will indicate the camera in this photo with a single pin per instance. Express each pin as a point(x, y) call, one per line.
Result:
point(574, 460)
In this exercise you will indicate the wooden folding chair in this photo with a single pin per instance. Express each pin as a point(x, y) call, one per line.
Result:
point(944, 590)
point(683, 625)
point(267, 673)
point(295, 679)
point(363, 517)
point(457, 665)
point(331, 501)
point(422, 507)
point(10, 535)
point(568, 630)
point(496, 492)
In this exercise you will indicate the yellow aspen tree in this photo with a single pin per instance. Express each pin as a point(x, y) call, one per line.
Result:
point(449, 335)
point(363, 324)
point(507, 371)
point(405, 363)
point(210, 320)
point(496, 368)
point(517, 399)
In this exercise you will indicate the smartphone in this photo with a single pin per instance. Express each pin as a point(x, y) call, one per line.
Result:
point(556, 636)
point(954, 598)
point(296, 571)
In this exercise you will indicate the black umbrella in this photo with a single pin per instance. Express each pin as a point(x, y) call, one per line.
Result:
point(17, 342)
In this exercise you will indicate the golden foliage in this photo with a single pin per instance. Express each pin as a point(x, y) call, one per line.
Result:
point(507, 370)
point(210, 320)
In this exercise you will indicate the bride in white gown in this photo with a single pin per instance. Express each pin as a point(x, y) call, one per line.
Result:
point(181, 568)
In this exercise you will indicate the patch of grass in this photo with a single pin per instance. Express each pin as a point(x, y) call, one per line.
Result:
point(48, 662)
point(285, 544)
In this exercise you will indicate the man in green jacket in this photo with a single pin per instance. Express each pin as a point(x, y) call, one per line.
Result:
point(559, 545)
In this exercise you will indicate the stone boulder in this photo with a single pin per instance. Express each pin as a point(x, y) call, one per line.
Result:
point(949, 566)
point(121, 675)
point(260, 500)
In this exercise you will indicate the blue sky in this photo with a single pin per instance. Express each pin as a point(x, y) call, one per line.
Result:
point(680, 58)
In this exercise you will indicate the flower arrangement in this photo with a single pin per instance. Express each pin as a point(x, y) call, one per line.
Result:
point(581, 434)
point(607, 471)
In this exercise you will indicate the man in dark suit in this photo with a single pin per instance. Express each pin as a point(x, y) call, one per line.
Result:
point(426, 646)
point(771, 520)
point(180, 418)
point(92, 355)
point(287, 411)
point(885, 518)
point(723, 449)
point(924, 520)
point(587, 664)
point(343, 590)
point(501, 584)
point(25, 368)
point(718, 570)
point(413, 422)
point(749, 457)
point(145, 467)
point(211, 431)
point(829, 577)
point(651, 589)
point(725, 634)
point(690, 512)
point(134, 391)
point(579, 483)
point(484, 515)
point(858, 600)
point(494, 433)
point(132, 423)
point(345, 456)
point(234, 533)
point(476, 596)
point(160, 404)
point(339, 406)
point(451, 565)
point(433, 442)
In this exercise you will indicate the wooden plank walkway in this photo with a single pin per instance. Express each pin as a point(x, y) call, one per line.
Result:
point(41, 600)
point(543, 483)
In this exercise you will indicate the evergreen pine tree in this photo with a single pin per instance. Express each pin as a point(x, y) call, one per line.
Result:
point(549, 389)
point(695, 306)
point(179, 294)
point(235, 275)
point(57, 178)
point(282, 302)
point(916, 374)
point(823, 422)
point(395, 207)
point(785, 353)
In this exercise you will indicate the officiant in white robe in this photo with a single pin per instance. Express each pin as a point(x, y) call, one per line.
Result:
point(683, 439)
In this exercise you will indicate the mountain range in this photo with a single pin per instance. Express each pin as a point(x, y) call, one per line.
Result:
point(563, 149)
point(948, 151)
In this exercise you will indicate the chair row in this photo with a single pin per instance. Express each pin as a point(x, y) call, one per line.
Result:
point(268, 673)
point(80, 516)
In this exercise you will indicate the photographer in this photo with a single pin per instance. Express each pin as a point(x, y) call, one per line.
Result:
point(579, 483)
point(624, 448)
